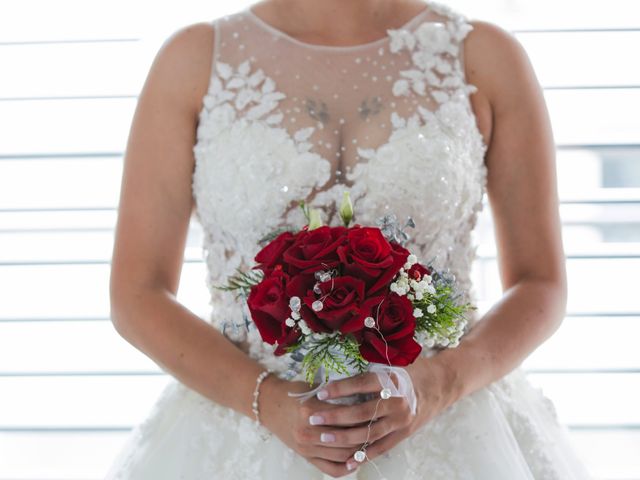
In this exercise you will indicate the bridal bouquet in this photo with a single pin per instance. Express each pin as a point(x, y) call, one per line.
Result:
point(346, 297)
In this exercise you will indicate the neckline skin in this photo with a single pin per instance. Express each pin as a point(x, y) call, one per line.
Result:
point(248, 11)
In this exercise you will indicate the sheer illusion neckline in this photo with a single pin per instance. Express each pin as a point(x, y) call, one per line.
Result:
point(317, 46)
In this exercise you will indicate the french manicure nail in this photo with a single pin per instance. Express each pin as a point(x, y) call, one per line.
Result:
point(351, 465)
point(327, 437)
point(316, 420)
point(322, 394)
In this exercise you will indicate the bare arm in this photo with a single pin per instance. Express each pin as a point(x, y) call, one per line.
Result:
point(154, 211)
point(155, 208)
point(523, 196)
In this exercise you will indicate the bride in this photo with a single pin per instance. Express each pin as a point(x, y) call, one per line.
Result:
point(413, 109)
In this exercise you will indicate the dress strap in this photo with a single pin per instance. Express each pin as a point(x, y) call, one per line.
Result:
point(215, 53)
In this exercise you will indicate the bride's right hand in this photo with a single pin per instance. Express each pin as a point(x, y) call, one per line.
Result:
point(288, 419)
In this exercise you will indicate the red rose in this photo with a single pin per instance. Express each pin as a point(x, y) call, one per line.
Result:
point(368, 255)
point(395, 320)
point(315, 249)
point(301, 285)
point(271, 254)
point(417, 271)
point(341, 298)
point(269, 307)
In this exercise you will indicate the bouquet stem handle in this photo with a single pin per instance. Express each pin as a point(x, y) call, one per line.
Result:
point(404, 389)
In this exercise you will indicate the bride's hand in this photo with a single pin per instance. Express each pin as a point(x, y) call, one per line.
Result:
point(288, 419)
point(393, 421)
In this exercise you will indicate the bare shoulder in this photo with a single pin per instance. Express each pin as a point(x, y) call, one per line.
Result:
point(495, 60)
point(156, 195)
point(498, 65)
point(182, 65)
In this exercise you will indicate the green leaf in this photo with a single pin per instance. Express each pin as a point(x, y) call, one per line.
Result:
point(335, 353)
point(449, 312)
point(242, 281)
point(273, 234)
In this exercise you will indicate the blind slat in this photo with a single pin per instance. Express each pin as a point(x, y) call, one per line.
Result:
point(87, 455)
point(56, 237)
point(31, 347)
point(61, 402)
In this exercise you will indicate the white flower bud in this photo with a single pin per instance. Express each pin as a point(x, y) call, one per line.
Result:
point(346, 209)
point(431, 308)
point(315, 220)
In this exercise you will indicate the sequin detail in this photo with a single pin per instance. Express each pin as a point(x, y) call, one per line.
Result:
point(422, 159)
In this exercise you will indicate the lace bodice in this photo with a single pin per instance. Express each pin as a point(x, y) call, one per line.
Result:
point(284, 120)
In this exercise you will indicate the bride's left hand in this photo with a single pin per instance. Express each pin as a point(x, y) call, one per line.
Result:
point(393, 420)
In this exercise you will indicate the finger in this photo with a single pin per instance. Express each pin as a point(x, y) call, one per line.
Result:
point(367, 382)
point(354, 437)
point(332, 454)
point(329, 437)
point(350, 415)
point(309, 437)
point(335, 469)
point(386, 443)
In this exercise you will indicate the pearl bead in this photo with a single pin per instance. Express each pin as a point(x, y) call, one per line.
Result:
point(359, 456)
point(385, 393)
point(444, 220)
point(294, 303)
point(317, 306)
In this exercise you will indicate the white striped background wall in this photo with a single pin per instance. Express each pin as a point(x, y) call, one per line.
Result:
point(71, 71)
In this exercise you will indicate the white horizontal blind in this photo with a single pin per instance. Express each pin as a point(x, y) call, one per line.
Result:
point(67, 94)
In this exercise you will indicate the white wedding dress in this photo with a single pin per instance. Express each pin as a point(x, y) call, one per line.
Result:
point(391, 121)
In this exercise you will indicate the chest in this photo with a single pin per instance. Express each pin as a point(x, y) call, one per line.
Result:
point(391, 125)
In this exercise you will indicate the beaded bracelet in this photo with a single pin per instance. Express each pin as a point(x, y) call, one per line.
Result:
point(256, 393)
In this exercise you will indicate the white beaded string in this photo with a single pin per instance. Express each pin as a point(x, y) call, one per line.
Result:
point(319, 300)
point(361, 455)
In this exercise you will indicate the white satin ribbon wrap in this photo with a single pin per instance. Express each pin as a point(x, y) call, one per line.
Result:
point(404, 389)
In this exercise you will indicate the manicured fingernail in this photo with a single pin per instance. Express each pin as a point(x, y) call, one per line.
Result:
point(351, 465)
point(316, 420)
point(322, 394)
point(327, 437)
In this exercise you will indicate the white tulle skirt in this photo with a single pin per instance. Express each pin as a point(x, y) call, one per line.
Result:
point(505, 431)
